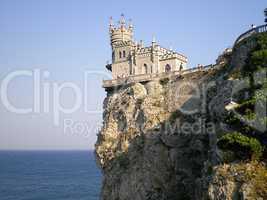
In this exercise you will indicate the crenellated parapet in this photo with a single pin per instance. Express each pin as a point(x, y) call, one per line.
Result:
point(173, 55)
point(121, 33)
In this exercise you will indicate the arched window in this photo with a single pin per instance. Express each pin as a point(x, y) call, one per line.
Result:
point(168, 68)
point(145, 68)
point(124, 54)
point(120, 54)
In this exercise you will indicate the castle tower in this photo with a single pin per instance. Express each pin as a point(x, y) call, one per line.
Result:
point(121, 40)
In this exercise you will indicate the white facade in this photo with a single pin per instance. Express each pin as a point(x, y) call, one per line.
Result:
point(130, 58)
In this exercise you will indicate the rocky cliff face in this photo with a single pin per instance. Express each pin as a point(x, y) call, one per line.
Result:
point(158, 140)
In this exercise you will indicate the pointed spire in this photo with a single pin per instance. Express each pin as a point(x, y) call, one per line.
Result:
point(130, 24)
point(141, 43)
point(153, 39)
point(111, 25)
point(110, 21)
point(122, 20)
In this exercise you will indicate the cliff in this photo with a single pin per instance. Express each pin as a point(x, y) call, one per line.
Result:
point(160, 139)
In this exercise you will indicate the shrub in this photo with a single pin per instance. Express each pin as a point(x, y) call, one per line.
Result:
point(235, 74)
point(228, 156)
point(259, 182)
point(244, 147)
point(254, 173)
point(231, 119)
point(175, 115)
point(257, 59)
point(139, 101)
point(245, 105)
point(164, 81)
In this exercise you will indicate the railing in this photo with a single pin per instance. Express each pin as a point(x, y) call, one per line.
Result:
point(258, 29)
point(148, 77)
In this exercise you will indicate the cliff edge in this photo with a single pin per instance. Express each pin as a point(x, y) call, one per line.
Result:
point(168, 139)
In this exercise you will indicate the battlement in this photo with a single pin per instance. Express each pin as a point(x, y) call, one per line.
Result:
point(122, 32)
point(143, 50)
point(173, 55)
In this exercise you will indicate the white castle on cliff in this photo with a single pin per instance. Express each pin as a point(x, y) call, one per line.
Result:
point(131, 59)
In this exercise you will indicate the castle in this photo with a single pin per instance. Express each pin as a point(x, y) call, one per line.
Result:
point(131, 59)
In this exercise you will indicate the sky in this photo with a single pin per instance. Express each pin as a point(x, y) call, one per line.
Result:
point(53, 55)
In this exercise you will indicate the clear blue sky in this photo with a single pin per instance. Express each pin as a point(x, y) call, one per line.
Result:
point(68, 37)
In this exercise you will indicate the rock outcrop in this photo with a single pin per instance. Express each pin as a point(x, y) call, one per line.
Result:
point(155, 140)
point(158, 140)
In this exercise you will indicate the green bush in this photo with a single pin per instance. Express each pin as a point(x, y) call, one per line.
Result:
point(228, 156)
point(256, 60)
point(231, 119)
point(164, 81)
point(244, 147)
point(175, 115)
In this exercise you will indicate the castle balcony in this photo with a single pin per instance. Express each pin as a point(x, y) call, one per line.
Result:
point(155, 76)
point(109, 66)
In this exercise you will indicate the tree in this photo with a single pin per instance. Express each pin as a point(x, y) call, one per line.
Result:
point(265, 14)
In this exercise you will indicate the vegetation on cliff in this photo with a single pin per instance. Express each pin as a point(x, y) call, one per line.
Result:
point(248, 119)
point(246, 144)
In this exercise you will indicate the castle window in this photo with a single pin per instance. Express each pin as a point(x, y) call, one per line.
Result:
point(167, 68)
point(113, 56)
point(124, 54)
point(120, 54)
point(181, 67)
point(145, 68)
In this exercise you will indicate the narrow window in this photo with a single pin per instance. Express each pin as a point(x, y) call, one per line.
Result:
point(124, 54)
point(181, 67)
point(120, 54)
point(145, 68)
point(113, 56)
point(167, 68)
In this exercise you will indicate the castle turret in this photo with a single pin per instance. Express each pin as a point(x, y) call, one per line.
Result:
point(121, 40)
point(122, 33)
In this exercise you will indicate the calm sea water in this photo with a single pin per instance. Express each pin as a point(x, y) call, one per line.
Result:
point(49, 175)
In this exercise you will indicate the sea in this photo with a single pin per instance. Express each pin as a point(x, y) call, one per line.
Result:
point(49, 175)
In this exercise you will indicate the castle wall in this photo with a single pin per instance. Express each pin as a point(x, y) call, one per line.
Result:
point(120, 70)
point(174, 63)
point(140, 62)
point(119, 50)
